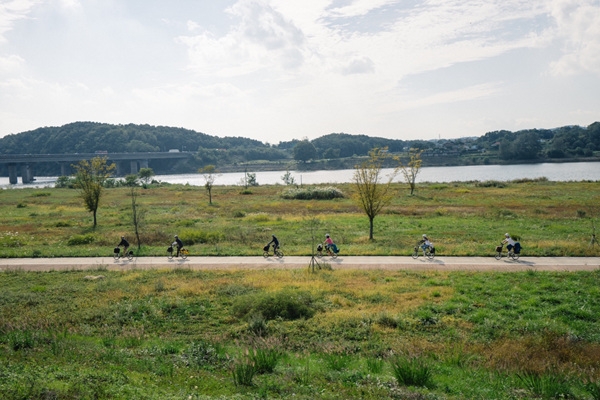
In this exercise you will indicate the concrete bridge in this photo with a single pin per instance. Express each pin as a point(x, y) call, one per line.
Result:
point(25, 162)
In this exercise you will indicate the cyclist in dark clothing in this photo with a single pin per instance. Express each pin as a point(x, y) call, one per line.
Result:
point(123, 243)
point(275, 243)
point(179, 244)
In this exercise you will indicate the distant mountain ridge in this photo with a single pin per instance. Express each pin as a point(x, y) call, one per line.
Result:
point(88, 137)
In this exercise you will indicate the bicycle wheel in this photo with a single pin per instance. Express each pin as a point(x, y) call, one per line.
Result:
point(333, 255)
point(279, 253)
point(170, 255)
point(116, 256)
point(429, 254)
point(514, 256)
point(319, 254)
point(266, 254)
point(498, 255)
point(183, 253)
point(415, 253)
point(130, 255)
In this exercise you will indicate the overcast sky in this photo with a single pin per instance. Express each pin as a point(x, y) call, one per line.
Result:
point(276, 70)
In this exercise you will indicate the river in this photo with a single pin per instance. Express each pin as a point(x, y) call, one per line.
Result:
point(552, 171)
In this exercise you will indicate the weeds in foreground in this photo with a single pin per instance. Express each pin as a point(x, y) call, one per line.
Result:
point(547, 386)
point(243, 373)
point(265, 360)
point(412, 371)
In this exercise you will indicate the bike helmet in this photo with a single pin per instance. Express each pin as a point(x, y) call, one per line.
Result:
point(122, 237)
point(175, 235)
point(327, 235)
point(424, 235)
point(506, 235)
point(273, 235)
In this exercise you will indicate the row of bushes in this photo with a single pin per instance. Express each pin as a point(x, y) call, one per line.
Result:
point(315, 193)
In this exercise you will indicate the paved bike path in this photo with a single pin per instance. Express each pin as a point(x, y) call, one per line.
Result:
point(440, 263)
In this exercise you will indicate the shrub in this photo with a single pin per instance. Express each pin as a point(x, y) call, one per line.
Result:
point(375, 365)
point(336, 362)
point(265, 360)
point(287, 305)
point(317, 193)
point(193, 236)
point(492, 183)
point(243, 373)
point(77, 240)
point(548, 386)
point(204, 355)
point(412, 372)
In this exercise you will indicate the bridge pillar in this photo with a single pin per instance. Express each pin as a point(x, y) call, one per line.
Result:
point(134, 167)
point(64, 169)
point(143, 164)
point(26, 173)
point(12, 174)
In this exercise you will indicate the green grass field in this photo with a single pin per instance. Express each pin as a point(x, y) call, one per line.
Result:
point(550, 219)
point(181, 334)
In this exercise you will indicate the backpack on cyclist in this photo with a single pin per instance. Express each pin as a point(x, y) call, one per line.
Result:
point(517, 248)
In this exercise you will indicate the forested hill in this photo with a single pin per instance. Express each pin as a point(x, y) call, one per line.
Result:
point(89, 137)
point(331, 151)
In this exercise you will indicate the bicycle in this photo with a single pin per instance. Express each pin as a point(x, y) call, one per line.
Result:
point(511, 253)
point(183, 253)
point(276, 252)
point(328, 251)
point(428, 252)
point(117, 254)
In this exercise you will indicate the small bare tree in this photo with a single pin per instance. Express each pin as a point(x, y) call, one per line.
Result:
point(209, 173)
point(137, 214)
point(413, 168)
point(372, 195)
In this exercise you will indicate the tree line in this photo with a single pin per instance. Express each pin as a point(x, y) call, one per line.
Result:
point(90, 137)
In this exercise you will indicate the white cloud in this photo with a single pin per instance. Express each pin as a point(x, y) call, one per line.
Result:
point(11, 12)
point(10, 64)
point(578, 26)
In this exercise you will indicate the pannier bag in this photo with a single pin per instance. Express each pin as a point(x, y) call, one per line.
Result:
point(266, 248)
point(117, 250)
point(498, 249)
point(320, 247)
point(170, 249)
point(517, 247)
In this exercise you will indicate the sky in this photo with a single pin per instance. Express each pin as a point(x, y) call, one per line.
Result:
point(277, 70)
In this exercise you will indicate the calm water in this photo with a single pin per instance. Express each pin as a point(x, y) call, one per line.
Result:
point(552, 171)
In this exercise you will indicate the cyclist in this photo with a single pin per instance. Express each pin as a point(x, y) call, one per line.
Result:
point(425, 243)
point(275, 243)
point(125, 245)
point(509, 242)
point(179, 245)
point(329, 245)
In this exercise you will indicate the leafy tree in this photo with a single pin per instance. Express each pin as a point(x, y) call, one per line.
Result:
point(89, 180)
point(304, 151)
point(287, 178)
point(131, 180)
point(372, 195)
point(145, 175)
point(209, 173)
point(413, 168)
point(249, 179)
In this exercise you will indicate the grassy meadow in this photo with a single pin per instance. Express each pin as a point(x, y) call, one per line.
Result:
point(550, 219)
point(258, 334)
point(183, 334)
